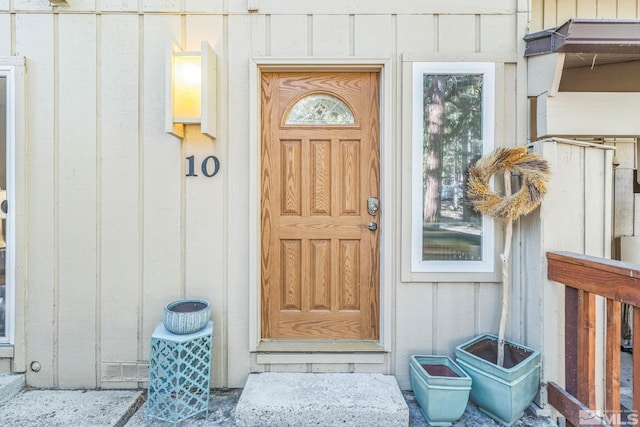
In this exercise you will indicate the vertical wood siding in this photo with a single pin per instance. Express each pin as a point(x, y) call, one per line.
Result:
point(74, 133)
point(118, 210)
point(161, 184)
point(550, 13)
point(235, 93)
point(581, 178)
point(34, 40)
point(116, 230)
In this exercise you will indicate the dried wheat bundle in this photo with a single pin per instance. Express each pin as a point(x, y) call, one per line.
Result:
point(535, 174)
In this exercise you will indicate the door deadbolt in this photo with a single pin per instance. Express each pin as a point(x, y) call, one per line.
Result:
point(373, 205)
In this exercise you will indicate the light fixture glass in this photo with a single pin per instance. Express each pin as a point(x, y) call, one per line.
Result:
point(187, 88)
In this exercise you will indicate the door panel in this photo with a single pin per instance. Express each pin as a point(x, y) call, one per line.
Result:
point(320, 275)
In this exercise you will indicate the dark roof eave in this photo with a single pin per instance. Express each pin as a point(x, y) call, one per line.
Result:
point(619, 36)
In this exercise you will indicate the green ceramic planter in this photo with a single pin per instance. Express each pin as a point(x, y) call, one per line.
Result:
point(442, 394)
point(503, 393)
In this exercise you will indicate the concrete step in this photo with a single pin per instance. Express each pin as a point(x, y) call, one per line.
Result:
point(10, 385)
point(322, 399)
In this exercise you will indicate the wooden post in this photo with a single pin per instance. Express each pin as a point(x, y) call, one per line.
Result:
point(612, 358)
point(506, 280)
point(636, 359)
point(571, 340)
point(587, 348)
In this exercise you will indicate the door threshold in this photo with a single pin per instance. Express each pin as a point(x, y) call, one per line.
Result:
point(319, 346)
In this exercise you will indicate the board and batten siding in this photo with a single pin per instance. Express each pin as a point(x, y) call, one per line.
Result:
point(576, 215)
point(115, 230)
point(551, 13)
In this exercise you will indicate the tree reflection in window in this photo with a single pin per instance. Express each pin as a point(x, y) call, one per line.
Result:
point(452, 141)
point(453, 123)
point(320, 109)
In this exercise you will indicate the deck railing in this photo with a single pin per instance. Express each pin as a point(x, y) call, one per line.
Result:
point(585, 277)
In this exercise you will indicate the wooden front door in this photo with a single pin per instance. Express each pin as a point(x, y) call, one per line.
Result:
point(320, 164)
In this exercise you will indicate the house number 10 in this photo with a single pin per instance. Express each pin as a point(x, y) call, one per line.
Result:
point(207, 169)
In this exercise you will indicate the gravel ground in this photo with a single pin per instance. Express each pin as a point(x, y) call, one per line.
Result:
point(222, 406)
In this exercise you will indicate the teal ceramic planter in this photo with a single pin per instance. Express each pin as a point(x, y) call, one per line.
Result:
point(186, 316)
point(503, 393)
point(443, 392)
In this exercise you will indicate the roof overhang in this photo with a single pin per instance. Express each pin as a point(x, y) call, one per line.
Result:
point(601, 36)
point(582, 78)
point(588, 42)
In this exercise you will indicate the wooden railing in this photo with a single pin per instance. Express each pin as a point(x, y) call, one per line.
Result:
point(585, 277)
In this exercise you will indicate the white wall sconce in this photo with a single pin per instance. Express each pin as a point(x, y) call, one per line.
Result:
point(191, 90)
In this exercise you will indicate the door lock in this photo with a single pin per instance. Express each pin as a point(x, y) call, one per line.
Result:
point(373, 205)
point(371, 226)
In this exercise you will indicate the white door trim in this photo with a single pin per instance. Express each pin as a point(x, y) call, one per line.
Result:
point(387, 260)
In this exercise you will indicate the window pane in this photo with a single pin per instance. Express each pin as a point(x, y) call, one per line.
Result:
point(452, 141)
point(3, 186)
point(320, 109)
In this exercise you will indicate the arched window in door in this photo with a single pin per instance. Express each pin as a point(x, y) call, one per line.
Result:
point(320, 109)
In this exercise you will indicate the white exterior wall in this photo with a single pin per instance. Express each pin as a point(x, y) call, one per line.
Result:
point(114, 229)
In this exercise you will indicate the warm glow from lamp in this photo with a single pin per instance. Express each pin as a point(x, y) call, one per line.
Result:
point(190, 90)
point(187, 88)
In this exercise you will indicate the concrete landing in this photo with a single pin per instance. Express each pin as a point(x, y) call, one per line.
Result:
point(10, 385)
point(67, 408)
point(293, 399)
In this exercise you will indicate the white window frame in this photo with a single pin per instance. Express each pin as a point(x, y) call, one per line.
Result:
point(10, 72)
point(487, 69)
